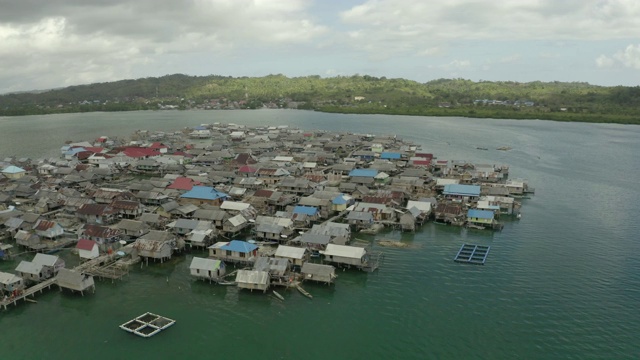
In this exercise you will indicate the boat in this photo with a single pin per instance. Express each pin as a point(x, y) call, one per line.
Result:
point(482, 148)
point(226, 283)
point(304, 292)
point(278, 295)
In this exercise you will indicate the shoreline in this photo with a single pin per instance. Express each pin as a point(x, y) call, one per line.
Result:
point(452, 113)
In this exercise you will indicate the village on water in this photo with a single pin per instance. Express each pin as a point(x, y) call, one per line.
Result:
point(265, 206)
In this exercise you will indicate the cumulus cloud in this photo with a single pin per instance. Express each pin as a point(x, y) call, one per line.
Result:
point(604, 61)
point(77, 41)
point(629, 57)
point(457, 65)
point(389, 22)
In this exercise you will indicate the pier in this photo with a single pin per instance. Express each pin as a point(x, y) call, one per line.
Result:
point(104, 267)
point(24, 294)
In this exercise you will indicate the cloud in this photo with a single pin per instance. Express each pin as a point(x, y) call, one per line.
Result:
point(629, 57)
point(412, 24)
point(457, 65)
point(604, 61)
point(55, 43)
point(510, 59)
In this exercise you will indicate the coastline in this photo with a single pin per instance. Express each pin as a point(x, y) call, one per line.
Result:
point(464, 112)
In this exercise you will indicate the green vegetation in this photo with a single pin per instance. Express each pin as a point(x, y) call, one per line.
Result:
point(344, 94)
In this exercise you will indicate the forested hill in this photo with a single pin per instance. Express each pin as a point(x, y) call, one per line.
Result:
point(349, 94)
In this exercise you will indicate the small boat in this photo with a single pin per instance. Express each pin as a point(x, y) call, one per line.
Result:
point(278, 295)
point(482, 148)
point(304, 292)
point(226, 283)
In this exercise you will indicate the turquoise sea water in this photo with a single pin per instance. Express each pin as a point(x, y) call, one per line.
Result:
point(563, 282)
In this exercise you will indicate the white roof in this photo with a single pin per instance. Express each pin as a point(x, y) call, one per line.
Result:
point(442, 182)
point(29, 267)
point(420, 205)
point(344, 251)
point(8, 278)
point(45, 259)
point(252, 277)
point(290, 252)
point(381, 175)
point(204, 264)
point(237, 220)
point(234, 205)
point(218, 245)
point(283, 158)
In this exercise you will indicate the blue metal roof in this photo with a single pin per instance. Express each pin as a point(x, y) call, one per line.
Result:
point(74, 150)
point(390, 155)
point(307, 210)
point(239, 246)
point(363, 172)
point(464, 190)
point(12, 169)
point(339, 200)
point(480, 214)
point(204, 193)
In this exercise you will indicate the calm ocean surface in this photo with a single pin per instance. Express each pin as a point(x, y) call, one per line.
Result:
point(561, 283)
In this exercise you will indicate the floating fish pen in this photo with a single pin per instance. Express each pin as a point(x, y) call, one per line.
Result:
point(147, 324)
point(472, 254)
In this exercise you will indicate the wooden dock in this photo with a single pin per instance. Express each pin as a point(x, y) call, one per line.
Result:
point(31, 291)
point(104, 266)
point(472, 254)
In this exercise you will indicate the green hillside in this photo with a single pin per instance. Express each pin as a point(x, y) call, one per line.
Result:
point(348, 94)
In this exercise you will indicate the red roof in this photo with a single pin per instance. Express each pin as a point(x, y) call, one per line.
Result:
point(44, 225)
point(183, 183)
point(100, 231)
point(425, 155)
point(263, 193)
point(158, 145)
point(247, 169)
point(85, 244)
point(82, 155)
point(422, 162)
point(136, 152)
point(94, 149)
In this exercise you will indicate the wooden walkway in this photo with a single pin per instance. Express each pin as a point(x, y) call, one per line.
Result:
point(27, 292)
point(104, 266)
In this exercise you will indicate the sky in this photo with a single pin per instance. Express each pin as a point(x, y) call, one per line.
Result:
point(58, 43)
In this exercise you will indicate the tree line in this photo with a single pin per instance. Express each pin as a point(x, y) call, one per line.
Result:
point(563, 101)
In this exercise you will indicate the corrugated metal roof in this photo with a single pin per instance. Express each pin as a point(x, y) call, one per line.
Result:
point(344, 251)
point(204, 193)
point(239, 246)
point(234, 205)
point(28, 267)
point(363, 173)
point(237, 220)
point(8, 278)
point(45, 259)
point(317, 269)
point(460, 189)
point(290, 252)
point(85, 244)
point(480, 214)
point(307, 210)
point(252, 277)
point(205, 264)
